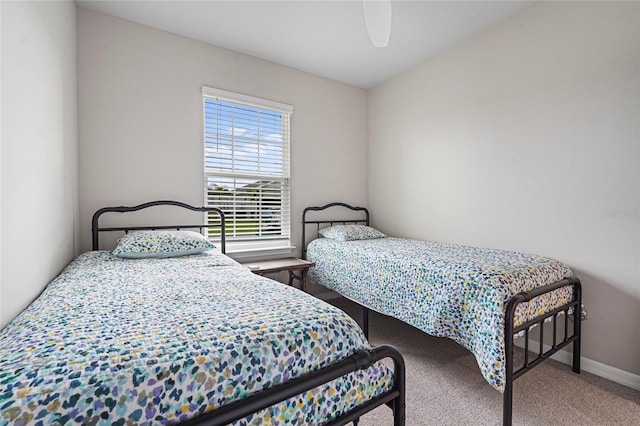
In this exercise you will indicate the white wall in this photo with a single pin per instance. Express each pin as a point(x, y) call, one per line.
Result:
point(140, 119)
point(39, 148)
point(526, 137)
point(1, 321)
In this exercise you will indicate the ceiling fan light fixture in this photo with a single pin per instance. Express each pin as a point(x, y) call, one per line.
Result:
point(377, 17)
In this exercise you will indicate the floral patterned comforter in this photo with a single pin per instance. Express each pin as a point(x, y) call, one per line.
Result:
point(446, 290)
point(156, 341)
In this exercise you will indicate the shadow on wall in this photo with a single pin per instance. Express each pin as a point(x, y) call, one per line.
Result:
point(612, 312)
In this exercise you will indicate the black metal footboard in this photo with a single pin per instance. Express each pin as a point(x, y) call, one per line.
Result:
point(362, 359)
point(513, 372)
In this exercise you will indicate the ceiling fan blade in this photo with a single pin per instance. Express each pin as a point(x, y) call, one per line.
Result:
point(377, 17)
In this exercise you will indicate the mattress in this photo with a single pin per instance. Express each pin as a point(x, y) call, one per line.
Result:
point(445, 290)
point(158, 341)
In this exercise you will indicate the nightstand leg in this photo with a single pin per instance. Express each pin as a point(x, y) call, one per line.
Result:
point(302, 278)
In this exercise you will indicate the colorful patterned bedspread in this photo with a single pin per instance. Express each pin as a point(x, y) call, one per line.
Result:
point(445, 290)
point(157, 341)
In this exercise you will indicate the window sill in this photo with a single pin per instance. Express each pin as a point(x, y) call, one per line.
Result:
point(237, 253)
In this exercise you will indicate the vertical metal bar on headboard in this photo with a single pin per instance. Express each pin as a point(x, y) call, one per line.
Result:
point(94, 226)
point(223, 235)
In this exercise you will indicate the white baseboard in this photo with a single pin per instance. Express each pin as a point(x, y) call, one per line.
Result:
point(599, 369)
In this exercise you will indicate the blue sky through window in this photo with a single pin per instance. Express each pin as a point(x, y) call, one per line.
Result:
point(243, 139)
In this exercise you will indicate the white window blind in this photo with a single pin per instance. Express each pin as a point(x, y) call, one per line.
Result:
point(246, 160)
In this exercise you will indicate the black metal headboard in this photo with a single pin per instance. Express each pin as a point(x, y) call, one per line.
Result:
point(95, 229)
point(330, 222)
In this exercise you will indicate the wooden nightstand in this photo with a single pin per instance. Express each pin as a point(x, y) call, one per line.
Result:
point(290, 264)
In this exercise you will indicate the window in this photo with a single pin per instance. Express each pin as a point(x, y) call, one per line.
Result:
point(246, 162)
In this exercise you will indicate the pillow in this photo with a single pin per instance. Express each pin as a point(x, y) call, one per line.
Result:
point(350, 232)
point(158, 244)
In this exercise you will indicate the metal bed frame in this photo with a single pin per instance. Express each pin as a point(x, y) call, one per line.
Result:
point(95, 228)
point(513, 371)
point(237, 410)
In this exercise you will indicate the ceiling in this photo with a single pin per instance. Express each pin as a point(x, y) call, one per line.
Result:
point(326, 38)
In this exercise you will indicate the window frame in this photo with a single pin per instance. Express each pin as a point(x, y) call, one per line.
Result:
point(260, 246)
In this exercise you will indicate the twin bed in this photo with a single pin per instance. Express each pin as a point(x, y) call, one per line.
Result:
point(480, 298)
point(193, 339)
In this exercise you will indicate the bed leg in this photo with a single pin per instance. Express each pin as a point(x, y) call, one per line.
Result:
point(400, 403)
point(507, 398)
point(365, 321)
point(576, 343)
point(356, 421)
point(577, 313)
point(399, 418)
point(507, 404)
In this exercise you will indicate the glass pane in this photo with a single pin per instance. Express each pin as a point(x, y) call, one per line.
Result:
point(251, 207)
point(242, 139)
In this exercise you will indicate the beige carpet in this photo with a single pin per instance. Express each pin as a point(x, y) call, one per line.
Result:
point(445, 387)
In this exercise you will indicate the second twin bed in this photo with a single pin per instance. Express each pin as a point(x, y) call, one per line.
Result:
point(481, 298)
